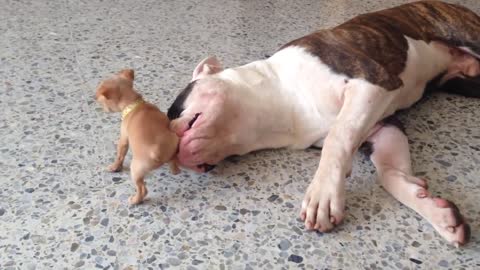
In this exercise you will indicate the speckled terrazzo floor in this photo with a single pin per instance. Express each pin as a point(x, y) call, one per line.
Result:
point(60, 209)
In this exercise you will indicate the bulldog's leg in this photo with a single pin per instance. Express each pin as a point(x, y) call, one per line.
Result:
point(391, 157)
point(364, 105)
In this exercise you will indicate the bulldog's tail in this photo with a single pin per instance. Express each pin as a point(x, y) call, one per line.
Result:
point(453, 25)
point(465, 86)
point(459, 28)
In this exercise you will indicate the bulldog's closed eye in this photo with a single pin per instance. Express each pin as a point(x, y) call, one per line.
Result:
point(190, 124)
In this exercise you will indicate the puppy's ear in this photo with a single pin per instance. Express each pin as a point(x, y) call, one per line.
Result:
point(128, 74)
point(103, 96)
point(102, 93)
point(207, 66)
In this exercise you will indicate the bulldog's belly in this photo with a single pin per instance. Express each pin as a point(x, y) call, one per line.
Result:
point(318, 91)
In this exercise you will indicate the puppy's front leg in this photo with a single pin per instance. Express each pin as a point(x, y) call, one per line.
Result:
point(174, 166)
point(122, 149)
point(324, 202)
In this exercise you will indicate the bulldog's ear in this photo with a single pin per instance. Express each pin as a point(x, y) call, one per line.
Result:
point(128, 74)
point(207, 66)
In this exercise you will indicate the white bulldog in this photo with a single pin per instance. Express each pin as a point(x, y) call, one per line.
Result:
point(336, 89)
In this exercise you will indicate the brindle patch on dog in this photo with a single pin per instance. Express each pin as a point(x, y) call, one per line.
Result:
point(373, 46)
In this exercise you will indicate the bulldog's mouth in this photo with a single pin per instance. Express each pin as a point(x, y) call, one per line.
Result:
point(203, 167)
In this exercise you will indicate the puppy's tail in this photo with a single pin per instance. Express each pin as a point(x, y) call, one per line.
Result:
point(465, 86)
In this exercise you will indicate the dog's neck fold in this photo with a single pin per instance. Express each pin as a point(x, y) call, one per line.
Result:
point(268, 110)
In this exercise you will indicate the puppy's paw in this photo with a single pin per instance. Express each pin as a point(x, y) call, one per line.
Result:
point(175, 171)
point(114, 168)
point(135, 199)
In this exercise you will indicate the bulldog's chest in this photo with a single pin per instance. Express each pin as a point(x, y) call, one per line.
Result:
point(314, 93)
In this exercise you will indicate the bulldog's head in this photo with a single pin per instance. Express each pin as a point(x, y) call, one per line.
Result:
point(205, 117)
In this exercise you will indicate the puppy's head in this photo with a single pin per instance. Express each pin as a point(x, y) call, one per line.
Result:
point(112, 92)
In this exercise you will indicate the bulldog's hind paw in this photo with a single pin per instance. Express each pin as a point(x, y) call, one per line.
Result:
point(447, 220)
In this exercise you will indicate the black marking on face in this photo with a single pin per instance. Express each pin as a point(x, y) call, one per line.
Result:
point(178, 105)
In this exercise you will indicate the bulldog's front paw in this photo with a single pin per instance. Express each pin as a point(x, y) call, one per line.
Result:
point(323, 205)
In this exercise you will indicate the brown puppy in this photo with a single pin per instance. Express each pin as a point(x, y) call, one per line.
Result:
point(144, 127)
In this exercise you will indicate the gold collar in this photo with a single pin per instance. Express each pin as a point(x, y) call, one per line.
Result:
point(131, 107)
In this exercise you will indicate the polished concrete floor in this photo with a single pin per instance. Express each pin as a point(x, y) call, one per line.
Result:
point(60, 209)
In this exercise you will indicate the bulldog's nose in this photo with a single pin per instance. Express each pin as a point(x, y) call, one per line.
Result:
point(206, 167)
point(209, 167)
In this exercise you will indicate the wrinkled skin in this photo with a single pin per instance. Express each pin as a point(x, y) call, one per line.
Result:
point(207, 127)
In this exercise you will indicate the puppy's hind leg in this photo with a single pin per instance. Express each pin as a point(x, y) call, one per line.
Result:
point(138, 170)
point(391, 157)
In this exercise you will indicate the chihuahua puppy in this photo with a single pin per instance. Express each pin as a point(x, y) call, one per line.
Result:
point(144, 127)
